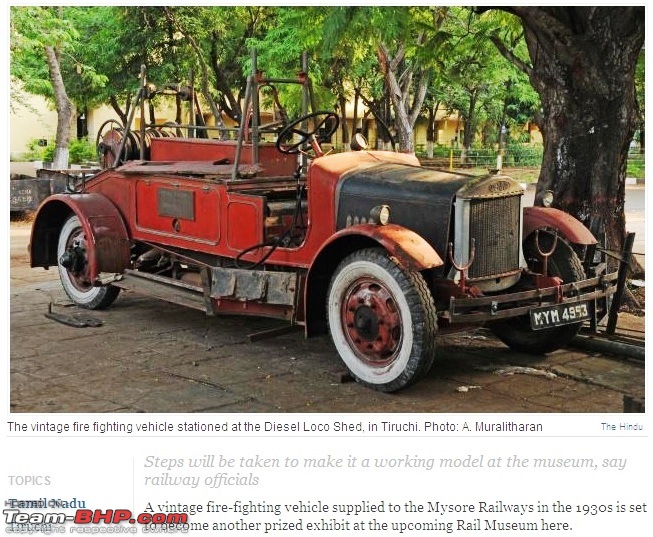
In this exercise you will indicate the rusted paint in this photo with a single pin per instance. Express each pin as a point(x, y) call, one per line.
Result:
point(481, 309)
point(411, 250)
point(371, 322)
point(252, 307)
point(498, 186)
point(205, 168)
point(273, 163)
point(547, 217)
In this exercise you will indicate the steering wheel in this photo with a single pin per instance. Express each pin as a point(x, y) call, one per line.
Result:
point(107, 143)
point(307, 137)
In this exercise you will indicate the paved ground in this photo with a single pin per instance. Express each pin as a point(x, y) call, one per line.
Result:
point(150, 356)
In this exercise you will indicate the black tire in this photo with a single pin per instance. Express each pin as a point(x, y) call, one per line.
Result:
point(75, 282)
point(517, 333)
point(382, 320)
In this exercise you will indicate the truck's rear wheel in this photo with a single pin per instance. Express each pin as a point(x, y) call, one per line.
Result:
point(382, 320)
point(517, 333)
point(74, 270)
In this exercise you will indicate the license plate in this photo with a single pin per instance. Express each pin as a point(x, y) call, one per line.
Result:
point(558, 315)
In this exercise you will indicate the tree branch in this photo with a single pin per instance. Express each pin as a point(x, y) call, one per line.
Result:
point(205, 75)
point(510, 55)
point(540, 22)
point(418, 100)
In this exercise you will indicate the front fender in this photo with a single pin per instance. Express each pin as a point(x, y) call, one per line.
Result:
point(411, 250)
point(569, 227)
point(107, 239)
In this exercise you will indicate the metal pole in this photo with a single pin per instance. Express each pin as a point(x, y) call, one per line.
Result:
point(241, 130)
point(125, 134)
point(191, 105)
point(305, 99)
point(142, 129)
point(255, 109)
point(621, 283)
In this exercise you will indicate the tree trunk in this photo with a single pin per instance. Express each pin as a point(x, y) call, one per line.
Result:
point(342, 104)
point(404, 130)
point(229, 103)
point(469, 126)
point(399, 94)
point(584, 61)
point(380, 113)
point(354, 125)
point(65, 111)
point(116, 108)
point(431, 129)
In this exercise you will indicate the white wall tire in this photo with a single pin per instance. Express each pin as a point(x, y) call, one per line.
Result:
point(76, 283)
point(382, 320)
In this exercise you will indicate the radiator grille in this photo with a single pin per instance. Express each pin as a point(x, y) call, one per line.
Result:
point(494, 225)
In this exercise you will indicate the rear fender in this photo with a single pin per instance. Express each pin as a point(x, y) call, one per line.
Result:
point(410, 249)
point(108, 244)
point(571, 229)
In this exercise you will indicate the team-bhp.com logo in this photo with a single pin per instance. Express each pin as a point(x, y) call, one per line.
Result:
point(97, 516)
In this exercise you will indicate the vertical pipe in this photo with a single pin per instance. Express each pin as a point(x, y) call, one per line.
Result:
point(142, 129)
point(241, 130)
point(255, 109)
point(305, 99)
point(192, 133)
point(305, 94)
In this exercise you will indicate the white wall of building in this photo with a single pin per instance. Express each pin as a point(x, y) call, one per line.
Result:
point(37, 120)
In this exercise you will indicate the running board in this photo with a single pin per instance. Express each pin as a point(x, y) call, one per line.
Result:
point(173, 291)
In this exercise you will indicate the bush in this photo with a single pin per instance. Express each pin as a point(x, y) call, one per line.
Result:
point(48, 153)
point(636, 167)
point(81, 150)
point(525, 155)
point(35, 149)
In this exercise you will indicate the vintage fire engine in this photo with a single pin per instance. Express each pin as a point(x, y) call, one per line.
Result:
point(368, 245)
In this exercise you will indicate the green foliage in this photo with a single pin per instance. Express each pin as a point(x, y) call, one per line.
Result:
point(636, 166)
point(81, 151)
point(103, 47)
point(514, 155)
point(478, 82)
point(35, 151)
point(32, 29)
point(48, 153)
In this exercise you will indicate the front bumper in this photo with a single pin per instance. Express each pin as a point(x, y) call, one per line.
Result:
point(509, 305)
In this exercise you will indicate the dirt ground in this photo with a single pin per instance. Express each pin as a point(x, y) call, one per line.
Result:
point(150, 356)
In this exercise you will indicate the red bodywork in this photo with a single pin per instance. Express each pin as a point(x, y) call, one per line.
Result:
point(107, 237)
point(288, 231)
point(218, 151)
point(193, 209)
point(229, 216)
point(195, 206)
point(548, 218)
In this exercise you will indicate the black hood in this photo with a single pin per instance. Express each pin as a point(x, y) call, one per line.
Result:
point(420, 199)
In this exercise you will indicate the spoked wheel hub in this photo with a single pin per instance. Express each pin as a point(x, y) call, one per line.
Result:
point(372, 322)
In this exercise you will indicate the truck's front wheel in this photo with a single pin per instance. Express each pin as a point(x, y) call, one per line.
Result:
point(73, 269)
point(382, 320)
